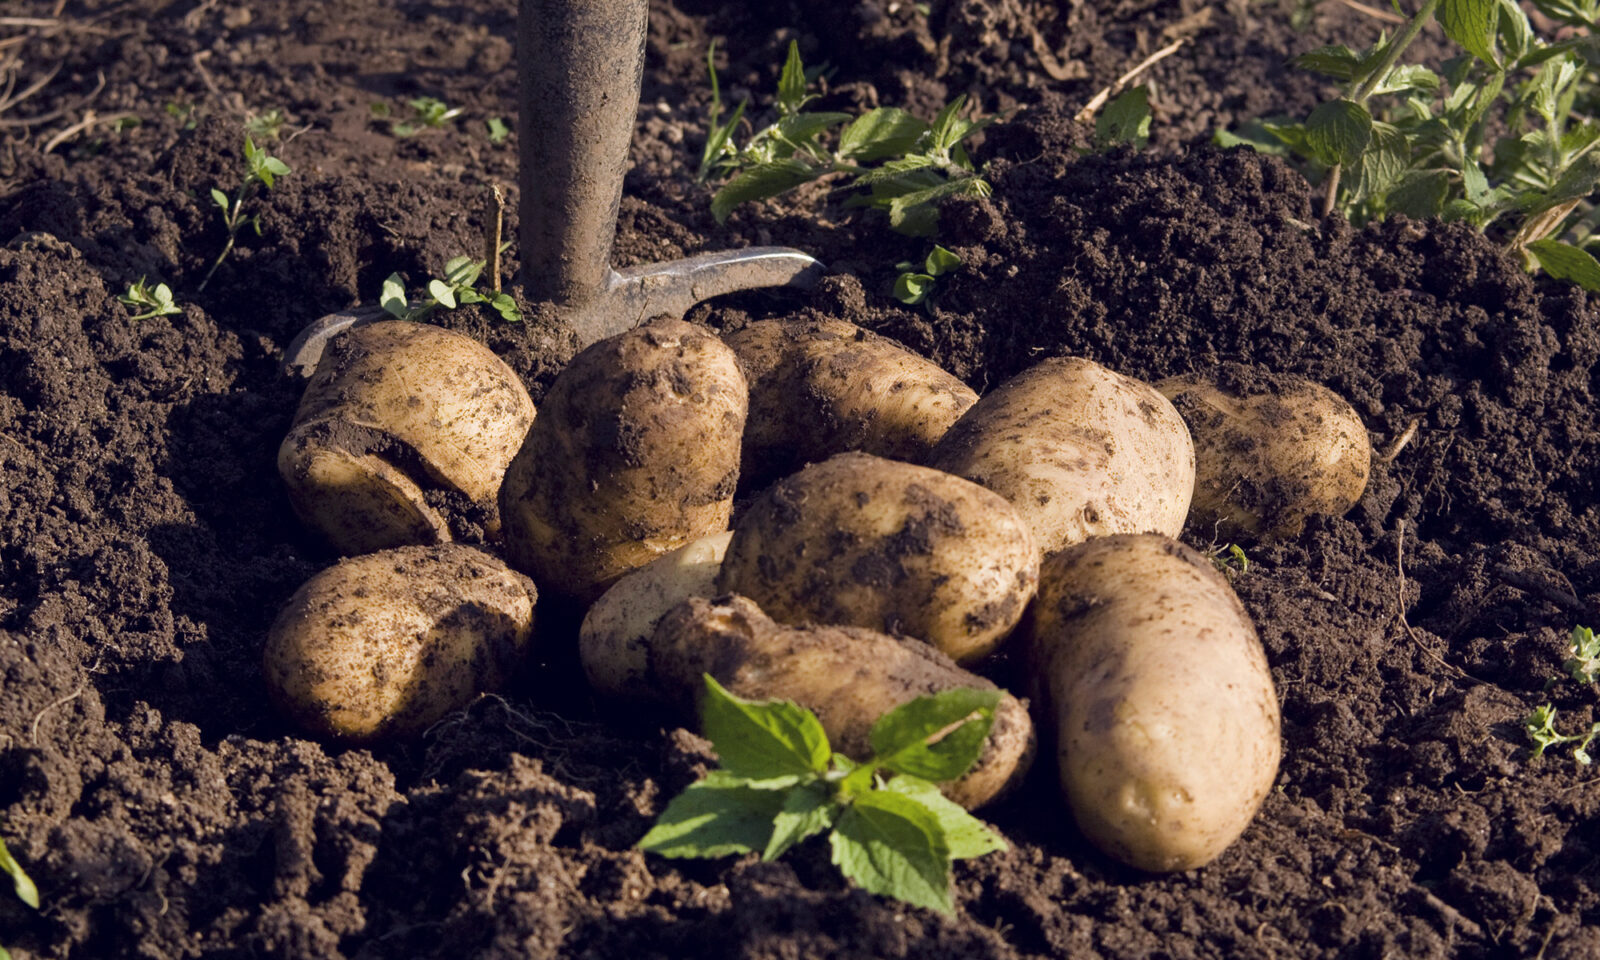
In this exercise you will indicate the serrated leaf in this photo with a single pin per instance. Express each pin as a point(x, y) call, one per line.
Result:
point(792, 82)
point(1337, 131)
point(1516, 33)
point(20, 881)
point(1419, 195)
point(1125, 120)
point(1338, 62)
point(1471, 23)
point(801, 128)
point(941, 261)
point(219, 198)
point(936, 737)
point(807, 811)
point(916, 172)
point(1474, 183)
point(1577, 181)
point(762, 739)
point(890, 844)
point(1567, 262)
point(441, 292)
point(760, 182)
point(947, 129)
point(965, 835)
point(393, 298)
point(1383, 163)
point(883, 132)
point(1407, 76)
point(714, 818)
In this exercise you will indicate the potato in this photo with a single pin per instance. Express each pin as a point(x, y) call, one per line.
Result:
point(847, 676)
point(613, 642)
point(823, 387)
point(862, 541)
point(396, 409)
point(635, 454)
point(1270, 451)
point(383, 645)
point(1159, 697)
point(1080, 451)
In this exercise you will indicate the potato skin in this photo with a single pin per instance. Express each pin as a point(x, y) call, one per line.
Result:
point(635, 453)
point(1271, 450)
point(822, 387)
point(1080, 451)
point(393, 408)
point(858, 540)
point(847, 676)
point(614, 640)
point(383, 645)
point(1159, 696)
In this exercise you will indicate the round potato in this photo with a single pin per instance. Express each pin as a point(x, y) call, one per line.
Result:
point(613, 642)
point(1159, 696)
point(396, 409)
point(383, 645)
point(902, 549)
point(635, 454)
point(1080, 451)
point(847, 676)
point(821, 387)
point(1271, 450)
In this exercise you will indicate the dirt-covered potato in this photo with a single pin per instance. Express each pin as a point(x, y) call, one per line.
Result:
point(396, 410)
point(383, 645)
point(1270, 450)
point(635, 453)
point(847, 676)
point(862, 541)
point(613, 642)
point(821, 387)
point(1159, 697)
point(1080, 451)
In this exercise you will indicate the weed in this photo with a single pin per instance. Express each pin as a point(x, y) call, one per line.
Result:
point(261, 172)
point(498, 131)
point(913, 287)
point(20, 882)
point(426, 113)
point(1540, 726)
point(265, 126)
point(1125, 120)
point(1230, 561)
point(153, 301)
point(457, 286)
point(1584, 664)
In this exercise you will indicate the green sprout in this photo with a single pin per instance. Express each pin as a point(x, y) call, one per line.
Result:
point(780, 783)
point(265, 126)
point(1230, 561)
point(458, 286)
point(426, 113)
point(20, 882)
point(1125, 121)
point(1584, 664)
point(498, 131)
point(913, 287)
point(261, 173)
point(153, 301)
point(1540, 726)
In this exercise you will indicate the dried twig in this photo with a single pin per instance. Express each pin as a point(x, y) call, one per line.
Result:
point(1376, 13)
point(493, 230)
point(1099, 100)
point(1401, 441)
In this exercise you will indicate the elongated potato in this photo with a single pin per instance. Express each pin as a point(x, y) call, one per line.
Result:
point(635, 454)
point(821, 387)
point(1270, 450)
point(862, 541)
point(396, 409)
point(847, 676)
point(614, 640)
point(383, 645)
point(1163, 710)
point(1080, 451)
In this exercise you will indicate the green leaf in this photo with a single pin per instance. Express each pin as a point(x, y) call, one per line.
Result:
point(947, 129)
point(1383, 163)
point(807, 811)
point(164, 297)
point(912, 288)
point(393, 298)
point(1408, 76)
point(1577, 181)
point(441, 292)
point(1337, 132)
point(20, 881)
point(964, 834)
point(716, 817)
point(801, 128)
point(277, 167)
point(1515, 30)
point(762, 739)
point(462, 270)
point(892, 845)
point(1567, 262)
point(220, 199)
point(1338, 62)
point(916, 214)
point(469, 295)
point(1420, 195)
point(1471, 23)
point(498, 131)
point(936, 737)
point(1252, 135)
point(1125, 120)
point(941, 261)
point(883, 132)
point(760, 182)
point(792, 82)
point(506, 305)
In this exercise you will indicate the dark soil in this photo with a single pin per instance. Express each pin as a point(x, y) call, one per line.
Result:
point(146, 543)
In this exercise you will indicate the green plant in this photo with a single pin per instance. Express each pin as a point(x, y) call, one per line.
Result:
point(913, 287)
point(889, 159)
point(458, 286)
point(1230, 561)
point(265, 126)
point(498, 131)
point(261, 172)
point(154, 301)
point(20, 882)
point(1403, 138)
point(1125, 120)
point(1584, 664)
point(1540, 726)
point(780, 783)
point(426, 112)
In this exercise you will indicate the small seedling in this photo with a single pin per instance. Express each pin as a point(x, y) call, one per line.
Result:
point(498, 131)
point(781, 783)
point(1231, 561)
point(1584, 664)
point(1540, 725)
point(182, 112)
point(265, 126)
point(458, 286)
point(261, 173)
point(153, 301)
point(913, 287)
point(1125, 121)
point(20, 882)
point(426, 113)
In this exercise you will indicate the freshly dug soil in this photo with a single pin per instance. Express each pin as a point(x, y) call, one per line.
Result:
point(146, 542)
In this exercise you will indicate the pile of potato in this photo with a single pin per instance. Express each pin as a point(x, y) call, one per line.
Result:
point(893, 532)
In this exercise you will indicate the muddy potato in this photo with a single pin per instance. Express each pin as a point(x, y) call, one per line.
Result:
point(821, 387)
point(1271, 450)
point(613, 642)
point(847, 676)
point(635, 453)
point(396, 410)
point(383, 645)
point(1080, 451)
point(862, 541)
point(1158, 694)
